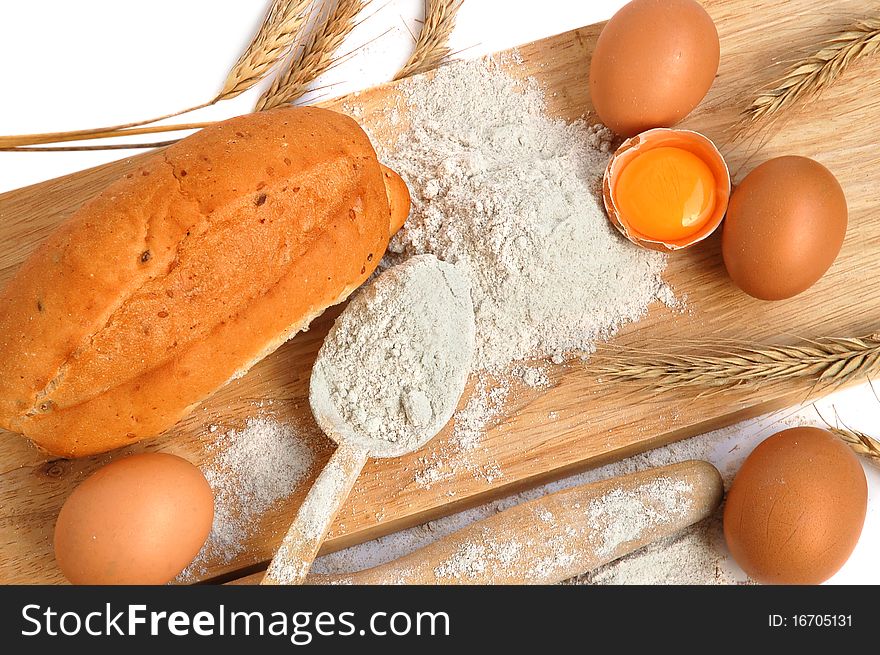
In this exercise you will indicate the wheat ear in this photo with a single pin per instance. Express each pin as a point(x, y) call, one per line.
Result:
point(825, 361)
point(431, 46)
point(315, 57)
point(809, 77)
point(859, 442)
point(9, 142)
point(277, 34)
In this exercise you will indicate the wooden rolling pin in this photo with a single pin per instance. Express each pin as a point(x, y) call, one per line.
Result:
point(558, 536)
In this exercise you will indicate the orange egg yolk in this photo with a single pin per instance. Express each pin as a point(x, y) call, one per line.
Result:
point(666, 193)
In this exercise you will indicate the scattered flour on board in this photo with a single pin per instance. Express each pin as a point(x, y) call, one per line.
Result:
point(510, 196)
point(484, 405)
point(249, 470)
point(535, 376)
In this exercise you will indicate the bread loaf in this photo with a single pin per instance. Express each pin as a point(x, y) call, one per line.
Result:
point(186, 272)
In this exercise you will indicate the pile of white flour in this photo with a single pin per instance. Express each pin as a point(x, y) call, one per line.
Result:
point(511, 197)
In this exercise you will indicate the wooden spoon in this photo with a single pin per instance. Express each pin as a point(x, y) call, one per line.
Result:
point(294, 556)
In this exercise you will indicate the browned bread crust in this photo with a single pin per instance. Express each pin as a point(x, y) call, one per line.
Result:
point(185, 273)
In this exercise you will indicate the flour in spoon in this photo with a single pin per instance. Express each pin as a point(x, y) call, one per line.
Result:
point(395, 363)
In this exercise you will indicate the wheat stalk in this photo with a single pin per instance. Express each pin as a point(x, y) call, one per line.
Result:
point(809, 77)
point(315, 57)
point(105, 146)
point(275, 37)
point(277, 34)
point(62, 137)
point(431, 46)
point(8, 142)
point(826, 361)
point(859, 442)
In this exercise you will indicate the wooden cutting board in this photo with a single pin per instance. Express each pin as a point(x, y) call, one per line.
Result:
point(578, 423)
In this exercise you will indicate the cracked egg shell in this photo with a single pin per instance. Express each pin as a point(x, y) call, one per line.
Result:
point(666, 189)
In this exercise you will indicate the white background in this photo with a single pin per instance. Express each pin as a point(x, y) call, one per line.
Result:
point(73, 65)
point(69, 65)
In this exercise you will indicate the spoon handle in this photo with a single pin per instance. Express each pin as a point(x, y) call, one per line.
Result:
point(297, 551)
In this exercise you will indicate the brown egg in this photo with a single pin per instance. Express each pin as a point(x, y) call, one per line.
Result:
point(138, 520)
point(784, 228)
point(653, 63)
point(796, 508)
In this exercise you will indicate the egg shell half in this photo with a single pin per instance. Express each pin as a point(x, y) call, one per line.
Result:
point(689, 140)
point(796, 508)
point(654, 62)
point(138, 520)
point(784, 228)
